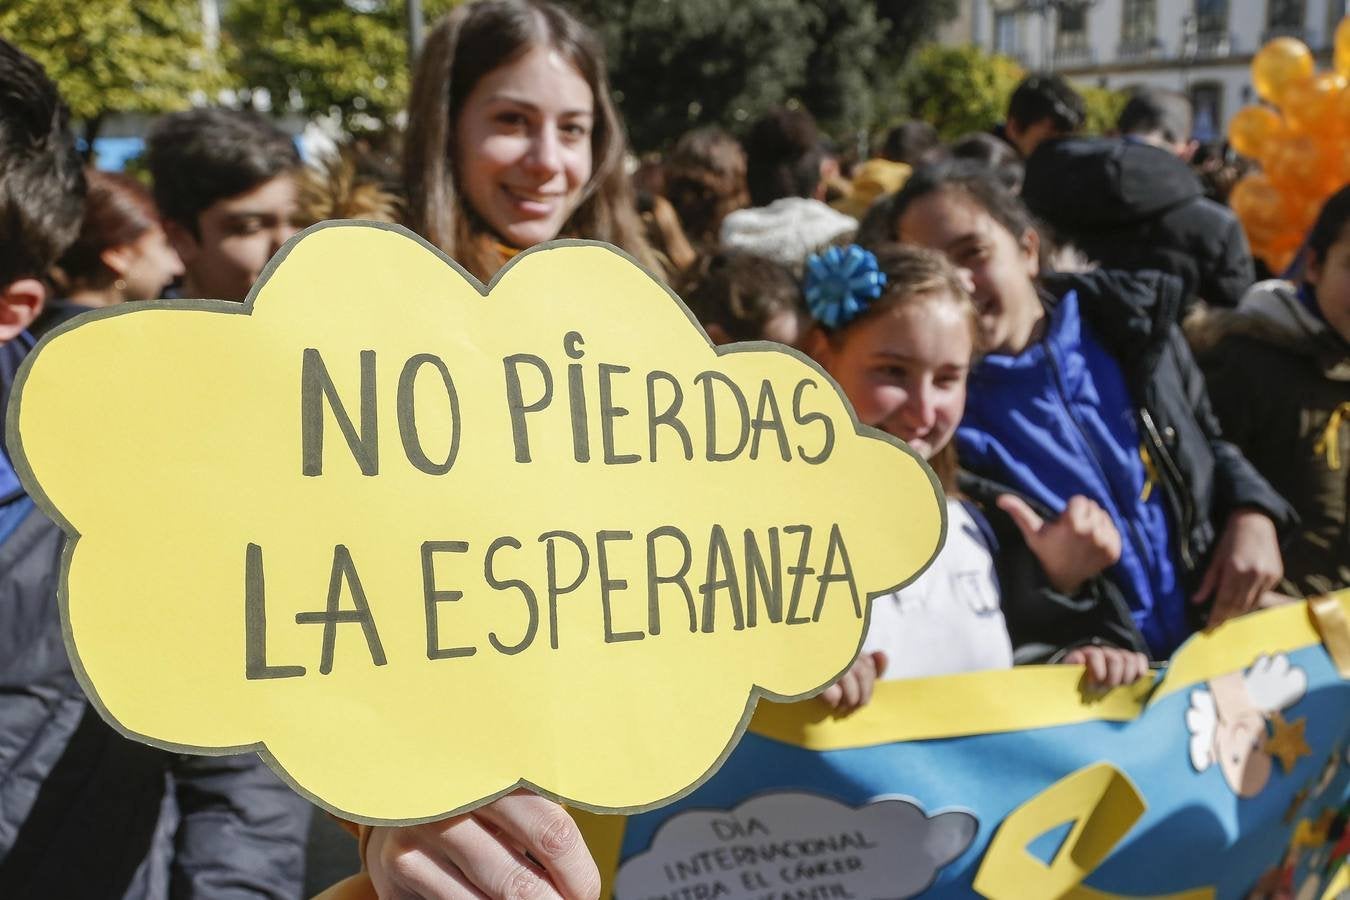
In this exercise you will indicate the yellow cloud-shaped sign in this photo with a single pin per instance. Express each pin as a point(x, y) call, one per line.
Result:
point(419, 542)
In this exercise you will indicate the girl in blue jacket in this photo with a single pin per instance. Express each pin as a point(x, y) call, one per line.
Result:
point(1088, 388)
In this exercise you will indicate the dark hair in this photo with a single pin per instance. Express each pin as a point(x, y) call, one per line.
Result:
point(1330, 225)
point(41, 179)
point(1156, 111)
point(470, 42)
point(783, 154)
point(705, 180)
point(975, 180)
point(1041, 96)
point(740, 292)
point(994, 152)
point(117, 210)
point(200, 156)
point(914, 274)
point(913, 143)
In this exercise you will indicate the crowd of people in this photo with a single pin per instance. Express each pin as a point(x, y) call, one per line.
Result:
point(1137, 438)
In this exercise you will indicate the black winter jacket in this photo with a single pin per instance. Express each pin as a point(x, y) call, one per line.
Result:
point(1204, 477)
point(88, 813)
point(1134, 207)
point(1280, 379)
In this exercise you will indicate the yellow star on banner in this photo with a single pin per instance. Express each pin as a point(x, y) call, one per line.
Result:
point(1286, 741)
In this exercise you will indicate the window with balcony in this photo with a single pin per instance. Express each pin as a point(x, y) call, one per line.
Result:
point(1285, 18)
point(1071, 38)
point(1211, 28)
point(1005, 33)
point(1138, 28)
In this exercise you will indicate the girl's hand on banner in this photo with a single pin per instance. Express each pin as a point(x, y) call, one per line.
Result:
point(854, 690)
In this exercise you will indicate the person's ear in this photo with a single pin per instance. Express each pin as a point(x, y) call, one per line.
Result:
point(1031, 250)
point(118, 258)
point(817, 346)
point(1312, 268)
point(21, 303)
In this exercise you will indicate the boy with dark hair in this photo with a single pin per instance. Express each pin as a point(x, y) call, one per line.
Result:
point(1042, 107)
point(1161, 118)
point(226, 183)
point(83, 810)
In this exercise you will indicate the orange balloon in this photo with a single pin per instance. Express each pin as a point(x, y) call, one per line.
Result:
point(1279, 261)
point(1258, 204)
point(1283, 62)
point(1296, 165)
point(1342, 43)
point(1254, 129)
point(1342, 110)
point(1311, 106)
point(1301, 209)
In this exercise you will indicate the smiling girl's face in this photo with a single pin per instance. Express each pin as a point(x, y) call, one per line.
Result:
point(523, 146)
point(904, 369)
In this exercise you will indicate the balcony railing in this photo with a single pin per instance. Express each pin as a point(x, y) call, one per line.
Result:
point(1279, 31)
point(1139, 48)
point(1074, 52)
point(1213, 43)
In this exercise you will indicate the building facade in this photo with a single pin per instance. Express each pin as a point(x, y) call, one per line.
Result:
point(1203, 48)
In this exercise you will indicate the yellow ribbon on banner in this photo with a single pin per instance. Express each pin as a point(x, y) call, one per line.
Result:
point(1329, 618)
point(1103, 805)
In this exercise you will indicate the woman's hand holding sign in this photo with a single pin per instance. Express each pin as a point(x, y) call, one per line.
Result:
point(519, 847)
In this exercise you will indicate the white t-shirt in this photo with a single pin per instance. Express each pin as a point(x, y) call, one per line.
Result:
point(949, 620)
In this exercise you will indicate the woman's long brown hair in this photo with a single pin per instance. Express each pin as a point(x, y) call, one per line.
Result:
point(472, 41)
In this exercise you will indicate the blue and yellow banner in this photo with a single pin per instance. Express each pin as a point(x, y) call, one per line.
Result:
point(1226, 776)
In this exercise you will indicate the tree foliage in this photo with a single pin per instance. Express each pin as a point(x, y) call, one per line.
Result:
point(1103, 107)
point(348, 59)
point(963, 89)
point(676, 65)
point(110, 56)
point(958, 89)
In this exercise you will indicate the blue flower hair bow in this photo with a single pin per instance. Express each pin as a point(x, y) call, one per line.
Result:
point(841, 283)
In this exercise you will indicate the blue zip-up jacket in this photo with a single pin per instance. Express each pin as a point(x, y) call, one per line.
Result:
point(1057, 420)
point(1199, 478)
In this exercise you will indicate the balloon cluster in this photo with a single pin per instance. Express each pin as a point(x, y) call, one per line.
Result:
point(1300, 139)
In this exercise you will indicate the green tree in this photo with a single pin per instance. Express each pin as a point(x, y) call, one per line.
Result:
point(844, 63)
point(1103, 107)
point(675, 65)
point(958, 89)
point(348, 59)
point(111, 56)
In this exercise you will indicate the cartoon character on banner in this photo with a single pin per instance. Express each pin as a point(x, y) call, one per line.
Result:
point(1228, 720)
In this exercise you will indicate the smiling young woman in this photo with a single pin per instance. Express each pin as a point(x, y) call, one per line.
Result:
point(513, 139)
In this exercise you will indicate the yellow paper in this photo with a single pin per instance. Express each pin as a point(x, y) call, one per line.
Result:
point(333, 524)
